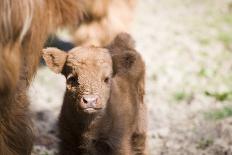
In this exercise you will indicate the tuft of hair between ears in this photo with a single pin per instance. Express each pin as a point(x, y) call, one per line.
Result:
point(123, 41)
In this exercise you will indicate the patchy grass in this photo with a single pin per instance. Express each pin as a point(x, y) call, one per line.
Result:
point(204, 143)
point(219, 113)
point(219, 96)
point(225, 38)
point(227, 18)
point(204, 41)
point(223, 25)
point(181, 96)
point(203, 72)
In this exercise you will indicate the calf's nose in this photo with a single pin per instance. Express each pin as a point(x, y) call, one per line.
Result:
point(89, 101)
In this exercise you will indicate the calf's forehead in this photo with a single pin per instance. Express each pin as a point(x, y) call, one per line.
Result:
point(90, 58)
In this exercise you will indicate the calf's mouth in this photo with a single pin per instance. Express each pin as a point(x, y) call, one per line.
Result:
point(91, 110)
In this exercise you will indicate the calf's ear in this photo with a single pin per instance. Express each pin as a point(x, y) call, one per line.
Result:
point(123, 62)
point(123, 53)
point(54, 58)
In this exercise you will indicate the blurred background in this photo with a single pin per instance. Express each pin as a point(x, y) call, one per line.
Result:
point(187, 48)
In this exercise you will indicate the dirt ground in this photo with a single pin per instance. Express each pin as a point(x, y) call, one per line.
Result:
point(187, 47)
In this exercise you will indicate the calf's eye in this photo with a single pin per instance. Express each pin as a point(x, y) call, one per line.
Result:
point(106, 80)
point(72, 80)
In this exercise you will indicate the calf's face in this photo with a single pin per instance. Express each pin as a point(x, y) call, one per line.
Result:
point(88, 72)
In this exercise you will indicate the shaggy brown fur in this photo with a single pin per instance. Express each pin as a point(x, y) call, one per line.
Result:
point(101, 31)
point(103, 111)
point(24, 27)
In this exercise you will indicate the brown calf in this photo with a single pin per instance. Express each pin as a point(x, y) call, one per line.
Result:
point(103, 111)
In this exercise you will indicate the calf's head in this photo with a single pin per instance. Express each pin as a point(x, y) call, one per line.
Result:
point(89, 72)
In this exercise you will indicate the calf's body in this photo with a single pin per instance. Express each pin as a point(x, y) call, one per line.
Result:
point(103, 112)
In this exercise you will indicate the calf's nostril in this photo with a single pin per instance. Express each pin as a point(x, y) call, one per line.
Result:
point(84, 100)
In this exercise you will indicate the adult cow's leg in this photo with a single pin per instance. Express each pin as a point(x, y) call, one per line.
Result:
point(16, 136)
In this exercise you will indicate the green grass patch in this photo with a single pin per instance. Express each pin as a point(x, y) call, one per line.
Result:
point(181, 96)
point(222, 96)
point(225, 38)
point(204, 41)
point(203, 72)
point(227, 18)
point(204, 143)
point(225, 35)
point(219, 114)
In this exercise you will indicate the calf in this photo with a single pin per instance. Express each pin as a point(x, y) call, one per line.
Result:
point(103, 111)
